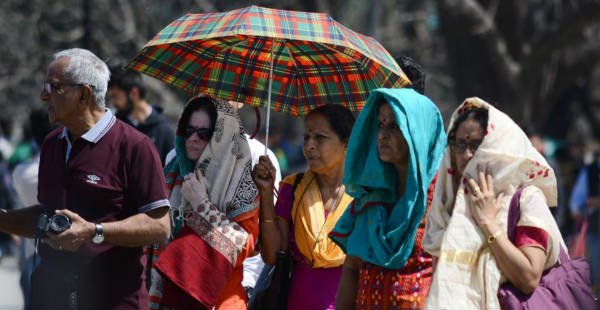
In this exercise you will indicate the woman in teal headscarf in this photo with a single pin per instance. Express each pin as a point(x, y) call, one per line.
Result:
point(393, 154)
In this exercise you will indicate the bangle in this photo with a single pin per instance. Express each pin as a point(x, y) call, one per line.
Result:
point(491, 239)
point(267, 221)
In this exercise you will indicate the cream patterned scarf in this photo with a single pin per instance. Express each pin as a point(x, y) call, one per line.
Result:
point(226, 164)
point(467, 276)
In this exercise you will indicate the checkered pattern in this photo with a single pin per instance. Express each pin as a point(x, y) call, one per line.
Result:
point(227, 55)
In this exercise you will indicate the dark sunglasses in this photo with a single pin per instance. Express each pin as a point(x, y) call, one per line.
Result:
point(203, 133)
point(462, 146)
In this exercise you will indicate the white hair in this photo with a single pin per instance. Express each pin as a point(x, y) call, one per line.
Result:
point(86, 68)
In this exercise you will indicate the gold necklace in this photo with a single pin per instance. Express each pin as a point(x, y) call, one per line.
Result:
point(331, 211)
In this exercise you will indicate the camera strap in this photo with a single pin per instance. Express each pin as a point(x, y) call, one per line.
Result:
point(34, 264)
point(34, 260)
point(71, 278)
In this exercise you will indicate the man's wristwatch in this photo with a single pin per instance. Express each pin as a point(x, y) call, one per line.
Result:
point(99, 236)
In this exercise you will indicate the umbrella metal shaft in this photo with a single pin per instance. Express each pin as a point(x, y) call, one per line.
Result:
point(269, 97)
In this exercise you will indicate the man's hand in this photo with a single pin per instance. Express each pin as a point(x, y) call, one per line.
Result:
point(80, 232)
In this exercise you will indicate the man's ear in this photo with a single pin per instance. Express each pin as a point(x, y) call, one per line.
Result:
point(86, 94)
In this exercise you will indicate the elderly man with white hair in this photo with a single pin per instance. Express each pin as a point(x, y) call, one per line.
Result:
point(106, 178)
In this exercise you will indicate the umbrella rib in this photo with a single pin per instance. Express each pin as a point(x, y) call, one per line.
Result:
point(290, 53)
point(295, 67)
point(298, 77)
point(358, 62)
point(243, 39)
point(236, 44)
point(341, 52)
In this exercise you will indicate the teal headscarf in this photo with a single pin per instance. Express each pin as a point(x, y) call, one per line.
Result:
point(380, 227)
point(175, 170)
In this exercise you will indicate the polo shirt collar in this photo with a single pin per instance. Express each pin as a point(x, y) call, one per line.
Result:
point(97, 131)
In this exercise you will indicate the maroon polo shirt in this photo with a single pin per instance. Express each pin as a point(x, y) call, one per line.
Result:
point(112, 172)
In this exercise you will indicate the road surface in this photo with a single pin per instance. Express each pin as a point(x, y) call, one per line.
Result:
point(10, 289)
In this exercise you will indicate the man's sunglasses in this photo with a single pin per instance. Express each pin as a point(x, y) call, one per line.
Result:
point(49, 87)
point(203, 133)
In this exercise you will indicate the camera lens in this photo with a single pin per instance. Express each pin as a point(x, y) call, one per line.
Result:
point(59, 223)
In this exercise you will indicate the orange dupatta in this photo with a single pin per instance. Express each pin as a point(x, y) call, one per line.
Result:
point(312, 228)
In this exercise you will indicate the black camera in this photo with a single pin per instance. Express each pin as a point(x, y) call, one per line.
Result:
point(55, 224)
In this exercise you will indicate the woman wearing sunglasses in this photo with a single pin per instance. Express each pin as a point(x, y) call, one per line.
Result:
point(489, 157)
point(214, 212)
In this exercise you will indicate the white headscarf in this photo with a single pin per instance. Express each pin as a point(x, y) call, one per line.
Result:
point(467, 275)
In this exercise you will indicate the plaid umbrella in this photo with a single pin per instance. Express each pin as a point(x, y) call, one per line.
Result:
point(302, 60)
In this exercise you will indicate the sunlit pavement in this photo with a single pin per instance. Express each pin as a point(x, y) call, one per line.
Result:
point(10, 289)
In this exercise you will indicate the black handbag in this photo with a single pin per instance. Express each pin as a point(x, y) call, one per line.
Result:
point(273, 284)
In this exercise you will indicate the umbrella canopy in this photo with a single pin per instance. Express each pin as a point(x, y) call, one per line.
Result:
point(309, 58)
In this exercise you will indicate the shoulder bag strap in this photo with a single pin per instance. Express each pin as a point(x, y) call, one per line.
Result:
point(514, 214)
point(297, 181)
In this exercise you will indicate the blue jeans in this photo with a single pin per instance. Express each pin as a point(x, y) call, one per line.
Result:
point(262, 283)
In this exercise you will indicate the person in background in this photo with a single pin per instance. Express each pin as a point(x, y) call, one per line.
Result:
point(215, 212)
point(307, 208)
point(285, 142)
point(585, 203)
point(561, 212)
point(127, 94)
point(8, 195)
point(488, 159)
point(393, 155)
point(25, 181)
point(6, 148)
point(254, 264)
point(24, 150)
point(414, 71)
point(106, 178)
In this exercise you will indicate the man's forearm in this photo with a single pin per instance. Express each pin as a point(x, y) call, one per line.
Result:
point(20, 222)
point(140, 229)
